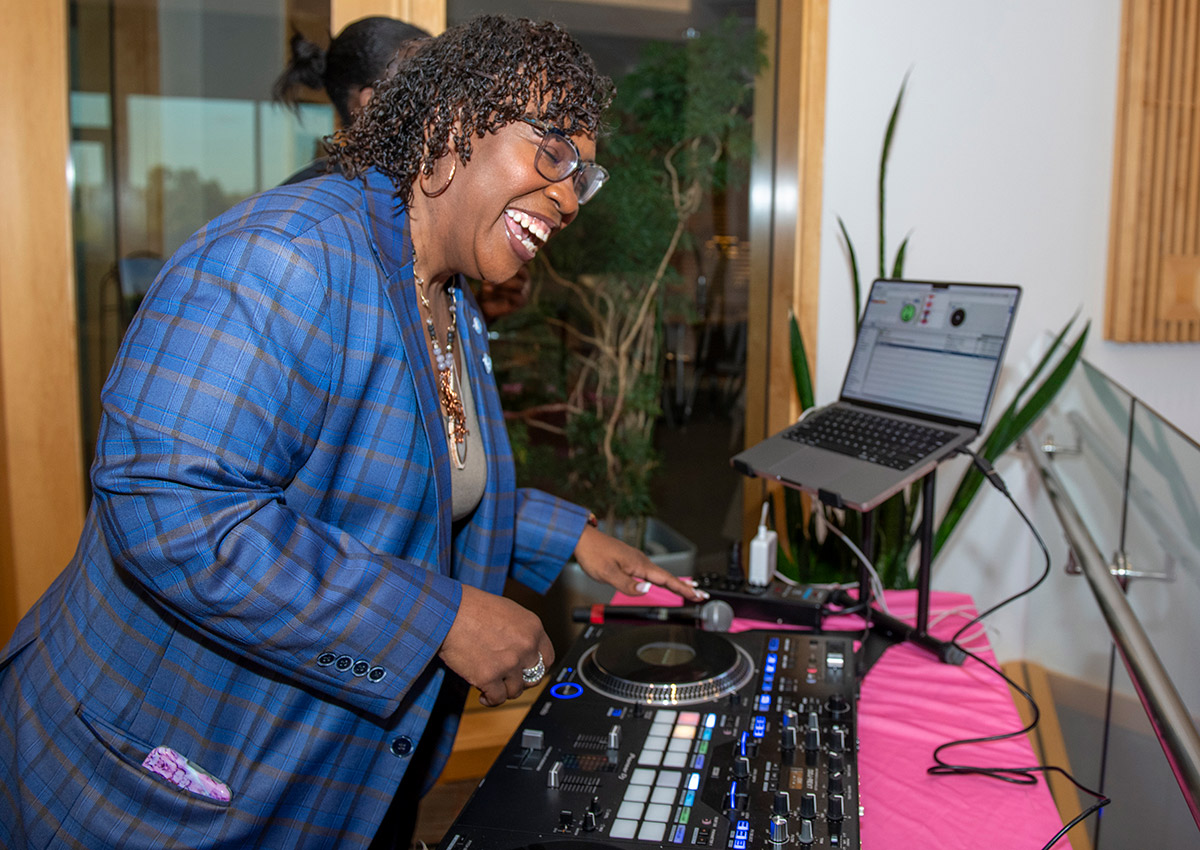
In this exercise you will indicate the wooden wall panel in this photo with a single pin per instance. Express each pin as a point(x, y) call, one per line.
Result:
point(41, 458)
point(785, 217)
point(429, 15)
point(1154, 240)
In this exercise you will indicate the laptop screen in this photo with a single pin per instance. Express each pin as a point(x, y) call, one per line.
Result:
point(932, 349)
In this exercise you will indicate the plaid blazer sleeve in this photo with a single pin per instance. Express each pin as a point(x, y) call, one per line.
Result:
point(219, 397)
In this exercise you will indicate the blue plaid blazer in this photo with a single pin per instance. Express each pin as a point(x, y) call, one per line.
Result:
point(268, 566)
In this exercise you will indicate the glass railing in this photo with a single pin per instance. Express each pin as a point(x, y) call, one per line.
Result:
point(1125, 485)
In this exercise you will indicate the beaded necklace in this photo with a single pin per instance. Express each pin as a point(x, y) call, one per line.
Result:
point(447, 378)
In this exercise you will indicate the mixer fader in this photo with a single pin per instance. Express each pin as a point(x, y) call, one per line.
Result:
point(666, 736)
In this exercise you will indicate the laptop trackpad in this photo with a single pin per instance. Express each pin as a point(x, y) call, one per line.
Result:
point(812, 469)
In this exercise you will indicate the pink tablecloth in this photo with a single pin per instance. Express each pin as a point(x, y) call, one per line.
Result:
point(910, 703)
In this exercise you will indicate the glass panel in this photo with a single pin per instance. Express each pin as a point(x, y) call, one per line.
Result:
point(1162, 542)
point(172, 122)
point(1134, 480)
point(686, 387)
point(1087, 425)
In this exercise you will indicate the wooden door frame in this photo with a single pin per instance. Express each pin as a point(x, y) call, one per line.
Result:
point(41, 456)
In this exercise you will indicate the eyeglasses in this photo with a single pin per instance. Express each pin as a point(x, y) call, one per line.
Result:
point(558, 158)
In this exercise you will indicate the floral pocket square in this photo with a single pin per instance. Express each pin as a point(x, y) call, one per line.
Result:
point(177, 770)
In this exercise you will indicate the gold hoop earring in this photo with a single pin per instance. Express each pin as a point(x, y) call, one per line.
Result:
point(446, 185)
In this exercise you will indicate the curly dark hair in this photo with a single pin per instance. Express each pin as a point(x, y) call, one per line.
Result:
point(471, 80)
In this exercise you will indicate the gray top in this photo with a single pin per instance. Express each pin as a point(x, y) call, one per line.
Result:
point(466, 484)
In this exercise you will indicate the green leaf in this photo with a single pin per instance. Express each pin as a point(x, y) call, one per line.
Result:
point(898, 265)
point(800, 371)
point(853, 273)
point(1009, 428)
point(1014, 422)
point(883, 159)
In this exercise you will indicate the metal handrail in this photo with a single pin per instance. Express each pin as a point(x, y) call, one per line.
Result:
point(1168, 716)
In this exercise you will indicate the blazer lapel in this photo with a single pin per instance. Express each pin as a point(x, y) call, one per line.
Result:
point(392, 242)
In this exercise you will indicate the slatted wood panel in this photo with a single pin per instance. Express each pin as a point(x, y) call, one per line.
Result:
point(1154, 242)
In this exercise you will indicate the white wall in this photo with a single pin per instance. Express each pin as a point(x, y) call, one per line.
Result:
point(1001, 169)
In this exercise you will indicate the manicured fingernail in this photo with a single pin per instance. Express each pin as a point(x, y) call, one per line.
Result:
point(643, 587)
point(703, 594)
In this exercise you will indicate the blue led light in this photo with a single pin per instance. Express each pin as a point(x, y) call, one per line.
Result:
point(689, 799)
point(710, 721)
point(773, 644)
point(566, 690)
point(759, 727)
point(693, 782)
point(677, 838)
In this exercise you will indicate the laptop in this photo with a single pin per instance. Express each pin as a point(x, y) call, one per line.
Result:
point(926, 363)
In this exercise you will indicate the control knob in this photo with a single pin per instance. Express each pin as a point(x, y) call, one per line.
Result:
point(777, 830)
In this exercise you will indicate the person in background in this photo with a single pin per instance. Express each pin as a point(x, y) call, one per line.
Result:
point(304, 508)
point(362, 54)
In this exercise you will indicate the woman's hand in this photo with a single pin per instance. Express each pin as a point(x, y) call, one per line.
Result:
point(627, 569)
point(491, 641)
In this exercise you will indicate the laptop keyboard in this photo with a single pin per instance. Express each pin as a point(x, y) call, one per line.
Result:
point(878, 439)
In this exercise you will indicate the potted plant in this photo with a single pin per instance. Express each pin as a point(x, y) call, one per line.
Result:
point(810, 556)
point(587, 366)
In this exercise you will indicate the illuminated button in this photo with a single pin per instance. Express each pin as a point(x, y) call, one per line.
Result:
point(665, 715)
point(764, 702)
point(702, 747)
point(678, 745)
point(675, 760)
point(660, 730)
point(684, 814)
point(689, 800)
point(630, 810)
point(642, 776)
point(693, 782)
point(710, 720)
point(698, 761)
point(688, 732)
point(566, 690)
point(650, 758)
point(759, 727)
point(663, 796)
point(660, 812)
point(691, 718)
point(677, 835)
point(773, 644)
point(706, 734)
point(669, 779)
point(623, 829)
point(655, 742)
point(652, 831)
point(637, 793)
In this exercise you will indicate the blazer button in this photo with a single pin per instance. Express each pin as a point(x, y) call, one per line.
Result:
point(376, 674)
point(325, 659)
point(401, 746)
point(361, 668)
point(343, 663)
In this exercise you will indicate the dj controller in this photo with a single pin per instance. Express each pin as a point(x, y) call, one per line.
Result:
point(667, 736)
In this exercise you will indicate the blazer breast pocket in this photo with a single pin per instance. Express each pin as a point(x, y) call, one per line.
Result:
point(127, 764)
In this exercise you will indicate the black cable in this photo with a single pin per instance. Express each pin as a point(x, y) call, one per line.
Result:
point(1017, 775)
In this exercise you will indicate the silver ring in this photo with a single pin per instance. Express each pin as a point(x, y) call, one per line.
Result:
point(533, 675)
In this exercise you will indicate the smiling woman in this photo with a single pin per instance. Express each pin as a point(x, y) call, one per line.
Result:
point(304, 502)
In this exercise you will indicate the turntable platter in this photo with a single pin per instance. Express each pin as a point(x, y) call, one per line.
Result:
point(665, 665)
